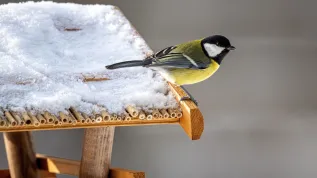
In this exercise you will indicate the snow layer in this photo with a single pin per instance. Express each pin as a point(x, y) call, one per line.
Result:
point(35, 50)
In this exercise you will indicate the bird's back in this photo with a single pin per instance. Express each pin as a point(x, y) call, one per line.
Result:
point(193, 50)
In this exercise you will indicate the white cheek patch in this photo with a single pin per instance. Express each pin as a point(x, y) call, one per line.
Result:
point(212, 49)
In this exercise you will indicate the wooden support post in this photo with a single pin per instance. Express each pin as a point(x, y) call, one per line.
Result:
point(20, 154)
point(97, 149)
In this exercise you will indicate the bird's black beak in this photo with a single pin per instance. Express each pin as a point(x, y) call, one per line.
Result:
point(231, 48)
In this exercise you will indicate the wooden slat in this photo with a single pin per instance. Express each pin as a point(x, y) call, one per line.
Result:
point(192, 120)
point(94, 79)
point(124, 173)
point(46, 174)
point(133, 122)
point(71, 167)
point(57, 165)
point(42, 174)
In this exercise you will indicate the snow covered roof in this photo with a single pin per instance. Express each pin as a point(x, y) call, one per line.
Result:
point(47, 48)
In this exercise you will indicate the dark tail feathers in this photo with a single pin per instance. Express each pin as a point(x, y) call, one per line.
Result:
point(126, 64)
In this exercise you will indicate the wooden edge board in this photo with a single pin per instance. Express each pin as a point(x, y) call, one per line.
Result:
point(71, 167)
point(125, 173)
point(46, 174)
point(137, 122)
point(114, 173)
point(5, 173)
point(192, 121)
point(57, 165)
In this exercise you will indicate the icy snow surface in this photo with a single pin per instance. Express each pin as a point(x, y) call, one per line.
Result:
point(41, 64)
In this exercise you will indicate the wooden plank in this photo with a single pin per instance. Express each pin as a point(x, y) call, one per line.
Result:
point(42, 173)
point(133, 122)
point(94, 79)
point(46, 174)
point(97, 149)
point(58, 165)
point(123, 173)
point(192, 121)
point(21, 158)
point(71, 167)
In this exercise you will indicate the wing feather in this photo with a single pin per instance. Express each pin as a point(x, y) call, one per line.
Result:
point(166, 58)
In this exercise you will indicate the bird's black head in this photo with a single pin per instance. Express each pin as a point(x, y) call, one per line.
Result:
point(216, 47)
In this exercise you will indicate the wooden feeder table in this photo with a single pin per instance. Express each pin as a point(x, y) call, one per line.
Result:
point(98, 138)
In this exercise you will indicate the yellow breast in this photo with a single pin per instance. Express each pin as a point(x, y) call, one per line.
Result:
point(191, 76)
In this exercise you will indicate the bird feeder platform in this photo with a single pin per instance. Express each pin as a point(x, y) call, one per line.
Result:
point(98, 137)
point(188, 116)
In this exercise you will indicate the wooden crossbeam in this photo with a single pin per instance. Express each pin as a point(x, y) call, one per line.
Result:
point(50, 166)
point(5, 173)
point(57, 165)
point(136, 122)
point(71, 167)
point(42, 174)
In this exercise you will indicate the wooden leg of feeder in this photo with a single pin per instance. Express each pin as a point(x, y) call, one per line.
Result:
point(20, 154)
point(97, 149)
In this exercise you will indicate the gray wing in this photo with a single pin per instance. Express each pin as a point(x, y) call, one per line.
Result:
point(166, 59)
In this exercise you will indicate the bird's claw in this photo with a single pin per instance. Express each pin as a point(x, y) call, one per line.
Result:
point(189, 98)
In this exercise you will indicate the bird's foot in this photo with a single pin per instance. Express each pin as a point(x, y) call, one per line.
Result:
point(189, 98)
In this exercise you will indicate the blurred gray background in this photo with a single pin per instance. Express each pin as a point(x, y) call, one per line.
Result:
point(260, 108)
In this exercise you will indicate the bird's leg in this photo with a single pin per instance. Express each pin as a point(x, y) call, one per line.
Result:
point(189, 97)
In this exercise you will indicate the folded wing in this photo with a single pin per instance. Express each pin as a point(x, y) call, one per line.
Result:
point(167, 59)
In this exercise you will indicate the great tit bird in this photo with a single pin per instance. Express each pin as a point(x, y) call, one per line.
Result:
point(187, 63)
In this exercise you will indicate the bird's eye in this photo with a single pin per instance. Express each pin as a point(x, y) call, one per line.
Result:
point(217, 43)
